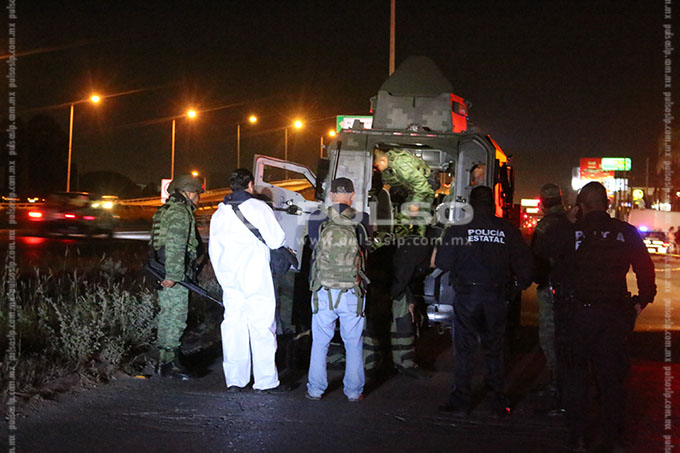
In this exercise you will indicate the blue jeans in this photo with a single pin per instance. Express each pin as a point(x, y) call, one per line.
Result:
point(323, 329)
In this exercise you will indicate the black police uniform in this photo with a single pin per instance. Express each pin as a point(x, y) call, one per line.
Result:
point(483, 257)
point(594, 313)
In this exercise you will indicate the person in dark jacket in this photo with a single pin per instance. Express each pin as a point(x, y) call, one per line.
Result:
point(483, 256)
point(594, 312)
point(554, 213)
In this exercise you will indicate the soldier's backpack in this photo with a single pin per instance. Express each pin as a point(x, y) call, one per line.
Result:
point(338, 260)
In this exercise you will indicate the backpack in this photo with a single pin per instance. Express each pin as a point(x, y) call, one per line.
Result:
point(338, 260)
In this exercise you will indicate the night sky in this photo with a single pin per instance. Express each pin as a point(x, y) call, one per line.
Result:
point(550, 81)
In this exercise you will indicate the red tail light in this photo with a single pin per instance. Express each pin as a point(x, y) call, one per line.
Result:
point(88, 217)
point(69, 216)
point(35, 215)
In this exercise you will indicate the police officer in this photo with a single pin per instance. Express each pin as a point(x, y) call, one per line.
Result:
point(482, 256)
point(594, 313)
point(553, 214)
point(403, 172)
point(176, 244)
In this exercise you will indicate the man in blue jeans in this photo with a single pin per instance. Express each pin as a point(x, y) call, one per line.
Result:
point(339, 240)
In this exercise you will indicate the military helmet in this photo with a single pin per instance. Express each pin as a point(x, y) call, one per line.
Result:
point(186, 183)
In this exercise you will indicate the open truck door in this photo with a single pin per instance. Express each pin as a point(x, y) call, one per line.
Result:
point(291, 188)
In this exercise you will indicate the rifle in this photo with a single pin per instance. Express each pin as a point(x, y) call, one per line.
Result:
point(157, 271)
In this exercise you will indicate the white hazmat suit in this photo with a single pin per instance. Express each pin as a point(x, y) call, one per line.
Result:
point(241, 264)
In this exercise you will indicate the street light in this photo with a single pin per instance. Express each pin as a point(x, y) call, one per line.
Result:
point(196, 174)
point(331, 133)
point(94, 98)
point(191, 113)
point(297, 124)
point(252, 119)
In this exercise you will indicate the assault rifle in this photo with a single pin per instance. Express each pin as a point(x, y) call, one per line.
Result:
point(157, 271)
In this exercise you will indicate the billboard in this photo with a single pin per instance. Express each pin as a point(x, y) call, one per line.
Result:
point(346, 121)
point(616, 163)
point(591, 169)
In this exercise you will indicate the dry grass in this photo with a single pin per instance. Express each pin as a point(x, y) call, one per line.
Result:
point(74, 327)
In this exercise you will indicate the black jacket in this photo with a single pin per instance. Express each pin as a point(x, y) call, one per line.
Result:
point(542, 267)
point(592, 257)
point(487, 252)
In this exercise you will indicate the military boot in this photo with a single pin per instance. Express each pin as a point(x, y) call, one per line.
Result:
point(173, 369)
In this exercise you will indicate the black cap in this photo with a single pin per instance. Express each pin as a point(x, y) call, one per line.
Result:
point(342, 185)
point(481, 196)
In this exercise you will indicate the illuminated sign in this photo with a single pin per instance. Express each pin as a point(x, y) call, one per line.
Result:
point(591, 169)
point(529, 202)
point(616, 163)
point(347, 121)
point(638, 194)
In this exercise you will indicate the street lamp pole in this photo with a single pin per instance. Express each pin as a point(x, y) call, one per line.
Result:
point(191, 113)
point(285, 144)
point(70, 145)
point(238, 145)
point(95, 100)
point(172, 158)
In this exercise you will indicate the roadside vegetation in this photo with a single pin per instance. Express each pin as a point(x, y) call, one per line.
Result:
point(77, 328)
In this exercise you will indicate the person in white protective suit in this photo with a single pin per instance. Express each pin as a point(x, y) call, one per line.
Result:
point(241, 264)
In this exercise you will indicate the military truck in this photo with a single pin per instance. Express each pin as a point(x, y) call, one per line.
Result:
point(416, 110)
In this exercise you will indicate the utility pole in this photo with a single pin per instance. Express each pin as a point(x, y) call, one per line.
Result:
point(392, 38)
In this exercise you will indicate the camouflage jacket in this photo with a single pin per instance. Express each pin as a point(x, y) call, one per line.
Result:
point(174, 231)
point(410, 172)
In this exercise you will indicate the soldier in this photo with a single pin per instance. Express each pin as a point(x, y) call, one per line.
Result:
point(483, 257)
point(554, 213)
point(594, 313)
point(403, 171)
point(176, 244)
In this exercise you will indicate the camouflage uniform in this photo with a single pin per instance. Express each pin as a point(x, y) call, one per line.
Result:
point(176, 241)
point(546, 322)
point(410, 173)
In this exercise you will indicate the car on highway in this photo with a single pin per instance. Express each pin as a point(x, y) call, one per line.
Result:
point(655, 241)
point(68, 213)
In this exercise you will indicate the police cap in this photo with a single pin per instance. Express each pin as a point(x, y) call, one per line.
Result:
point(186, 183)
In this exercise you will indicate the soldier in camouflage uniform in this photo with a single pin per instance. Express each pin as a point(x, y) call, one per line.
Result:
point(402, 170)
point(176, 243)
point(554, 213)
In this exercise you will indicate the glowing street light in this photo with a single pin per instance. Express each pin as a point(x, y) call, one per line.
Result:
point(252, 119)
point(194, 173)
point(95, 99)
point(297, 124)
point(331, 133)
point(191, 113)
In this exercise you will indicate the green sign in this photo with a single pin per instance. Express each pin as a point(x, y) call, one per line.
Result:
point(616, 163)
point(347, 121)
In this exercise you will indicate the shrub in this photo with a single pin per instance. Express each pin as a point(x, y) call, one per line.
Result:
point(90, 324)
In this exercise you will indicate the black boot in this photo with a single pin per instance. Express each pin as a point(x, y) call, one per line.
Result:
point(173, 369)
